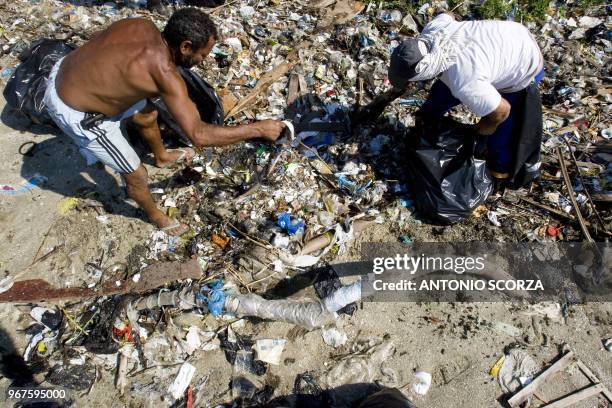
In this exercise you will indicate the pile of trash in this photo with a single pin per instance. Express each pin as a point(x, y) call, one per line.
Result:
point(260, 214)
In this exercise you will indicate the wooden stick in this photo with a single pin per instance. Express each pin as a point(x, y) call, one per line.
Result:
point(586, 190)
point(360, 91)
point(263, 83)
point(589, 374)
point(570, 192)
point(575, 397)
point(34, 260)
point(121, 380)
point(522, 396)
point(545, 207)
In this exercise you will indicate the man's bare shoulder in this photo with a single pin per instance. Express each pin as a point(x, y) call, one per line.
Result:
point(137, 23)
point(148, 49)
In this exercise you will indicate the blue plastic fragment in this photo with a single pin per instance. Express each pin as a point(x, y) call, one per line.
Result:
point(319, 140)
point(290, 225)
point(405, 239)
point(351, 186)
point(406, 202)
point(345, 183)
point(213, 296)
point(418, 102)
point(6, 72)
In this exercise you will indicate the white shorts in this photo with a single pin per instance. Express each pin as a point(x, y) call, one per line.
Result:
point(104, 142)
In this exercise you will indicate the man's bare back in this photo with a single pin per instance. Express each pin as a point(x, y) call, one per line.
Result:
point(112, 72)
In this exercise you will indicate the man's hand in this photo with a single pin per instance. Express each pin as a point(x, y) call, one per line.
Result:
point(488, 124)
point(485, 128)
point(270, 129)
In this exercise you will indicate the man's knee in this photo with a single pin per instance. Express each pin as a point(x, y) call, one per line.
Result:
point(145, 119)
point(136, 178)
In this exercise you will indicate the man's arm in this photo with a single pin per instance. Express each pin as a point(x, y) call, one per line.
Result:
point(488, 124)
point(174, 92)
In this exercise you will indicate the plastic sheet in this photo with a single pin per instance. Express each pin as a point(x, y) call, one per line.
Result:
point(307, 314)
point(448, 181)
point(26, 88)
point(363, 367)
point(343, 296)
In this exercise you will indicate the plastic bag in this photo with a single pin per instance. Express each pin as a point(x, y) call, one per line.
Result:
point(25, 89)
point(306, 314)
point(387, 398)
point(203, 96)
point(448, 181)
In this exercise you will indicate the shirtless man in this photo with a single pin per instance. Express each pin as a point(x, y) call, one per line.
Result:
point(114, 73)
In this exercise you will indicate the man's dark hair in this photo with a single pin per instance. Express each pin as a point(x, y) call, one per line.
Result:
point(189, 24)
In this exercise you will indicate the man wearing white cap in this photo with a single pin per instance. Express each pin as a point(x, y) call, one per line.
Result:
point(486, 65)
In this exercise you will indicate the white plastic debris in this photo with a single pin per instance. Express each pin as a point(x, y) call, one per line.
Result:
point(6, 284)
point(588, 22)
point(102, 219)
point(334, 338)
point(423, 9)
point(38, 312)
point(422, 382)
point(492, 216)
point(247, 12)
point(270, 350)
point(193, 341)
point(506, 328)
point(182, 381)
point(170, 202)
point(366, 366)
point(551, 311)
point(280, 241)
point(234, 43)
point(343, 296)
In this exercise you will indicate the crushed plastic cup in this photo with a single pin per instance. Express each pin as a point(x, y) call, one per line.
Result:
point(422, 382)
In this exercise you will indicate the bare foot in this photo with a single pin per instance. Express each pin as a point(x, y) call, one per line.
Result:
point(170, 225)
point(177, 156)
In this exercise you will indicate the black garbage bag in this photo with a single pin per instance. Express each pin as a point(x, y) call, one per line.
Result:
point(448, 182)
point(25, 89)
point(202, 94)
point(387, 398)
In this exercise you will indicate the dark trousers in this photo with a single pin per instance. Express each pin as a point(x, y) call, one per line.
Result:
point(499, 144)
